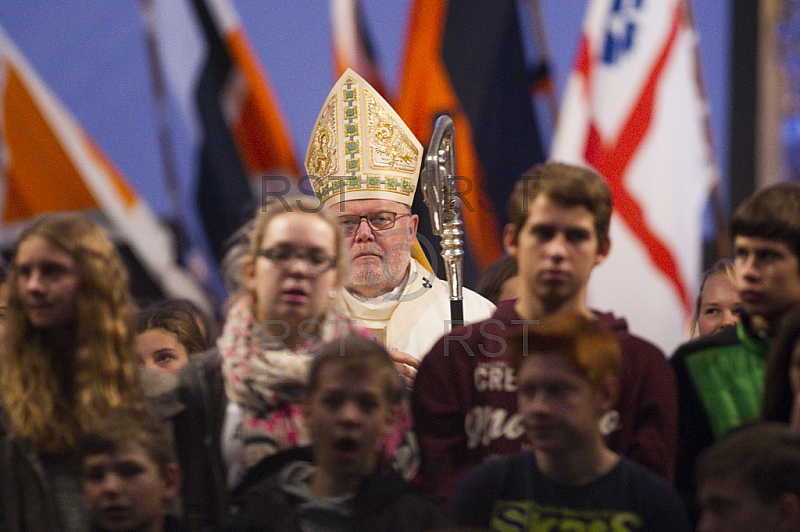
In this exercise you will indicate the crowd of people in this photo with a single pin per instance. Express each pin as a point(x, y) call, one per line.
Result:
point(339, 395)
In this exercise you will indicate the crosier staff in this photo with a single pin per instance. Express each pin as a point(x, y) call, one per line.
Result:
point(441, 195)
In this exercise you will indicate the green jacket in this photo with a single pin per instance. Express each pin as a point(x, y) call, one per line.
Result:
point(720, 386)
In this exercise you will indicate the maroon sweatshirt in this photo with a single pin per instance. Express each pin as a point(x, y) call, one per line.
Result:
point(465, 403)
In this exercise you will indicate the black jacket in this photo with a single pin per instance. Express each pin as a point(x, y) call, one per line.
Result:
point(27, 500)
point(207, 502)
point(385, 502)
point(198, 433)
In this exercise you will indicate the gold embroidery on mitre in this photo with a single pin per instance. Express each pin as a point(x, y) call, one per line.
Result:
point(389, 146)
point(323, 159)
point(360, 146)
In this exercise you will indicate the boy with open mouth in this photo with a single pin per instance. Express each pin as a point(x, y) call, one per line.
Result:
point(350, 402)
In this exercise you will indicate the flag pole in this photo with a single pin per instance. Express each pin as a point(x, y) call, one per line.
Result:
point(171, 178)
point(543, 46)
point(719, 214)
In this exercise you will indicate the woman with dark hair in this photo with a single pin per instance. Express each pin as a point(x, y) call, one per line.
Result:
point(500, 281)
point(168, 332)
point(67, 359)
point(782, 379)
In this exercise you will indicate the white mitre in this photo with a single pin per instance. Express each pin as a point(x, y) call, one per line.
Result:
point(360, 148)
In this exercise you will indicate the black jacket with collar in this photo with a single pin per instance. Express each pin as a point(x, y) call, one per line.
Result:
point(207, 502)
point(384, 502)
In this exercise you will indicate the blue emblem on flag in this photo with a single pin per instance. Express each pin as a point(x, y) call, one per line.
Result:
point(620, 30)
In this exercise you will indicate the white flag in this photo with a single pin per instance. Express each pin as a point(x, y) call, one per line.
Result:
point(634, 111)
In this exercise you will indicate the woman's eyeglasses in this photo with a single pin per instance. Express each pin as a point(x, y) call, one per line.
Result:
point(316, 261)
point(378, 221)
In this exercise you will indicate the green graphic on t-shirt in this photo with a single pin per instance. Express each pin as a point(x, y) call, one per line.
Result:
point(528, 516)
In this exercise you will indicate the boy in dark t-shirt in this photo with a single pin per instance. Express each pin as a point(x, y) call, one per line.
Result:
point(350, 402)
point(567, 379)
point(464, 401)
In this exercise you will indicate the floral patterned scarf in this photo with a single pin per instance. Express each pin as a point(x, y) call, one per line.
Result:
point(266, 379)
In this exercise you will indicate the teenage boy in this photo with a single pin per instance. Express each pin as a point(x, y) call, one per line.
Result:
point(129, 473)
point(721, 377)
point(465, 405)
point(567, 380)
point(349, 404)
point(749, 481)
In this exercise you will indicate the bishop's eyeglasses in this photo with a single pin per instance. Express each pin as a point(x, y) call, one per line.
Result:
point(378, 221)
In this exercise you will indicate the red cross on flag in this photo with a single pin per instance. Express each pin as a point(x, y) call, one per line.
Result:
point(633, 109)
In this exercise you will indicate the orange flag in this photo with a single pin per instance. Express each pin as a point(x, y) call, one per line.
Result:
point(48, 163)
point(465, 58)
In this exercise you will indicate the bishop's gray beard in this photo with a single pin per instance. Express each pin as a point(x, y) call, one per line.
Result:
point(372, 279)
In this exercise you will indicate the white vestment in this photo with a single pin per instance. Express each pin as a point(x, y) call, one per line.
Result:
point(416, 314)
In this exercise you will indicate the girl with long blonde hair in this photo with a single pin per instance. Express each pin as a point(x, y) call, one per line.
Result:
point(66, 359)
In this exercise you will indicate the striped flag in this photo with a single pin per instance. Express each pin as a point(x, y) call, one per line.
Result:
point(633, 110)
point(230, 111)
point(48, 163)
point(465, 58)
point(352, 45)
